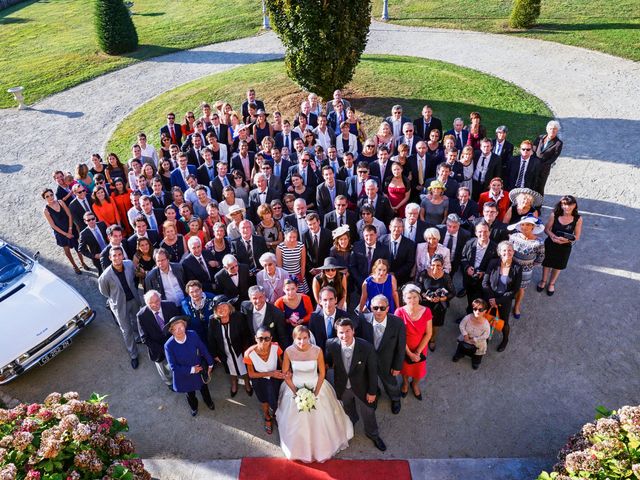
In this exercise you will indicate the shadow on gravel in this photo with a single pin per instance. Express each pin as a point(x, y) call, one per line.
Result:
point(50, 111)
point(10, 168)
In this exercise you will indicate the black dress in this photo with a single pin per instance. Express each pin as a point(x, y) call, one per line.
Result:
point(556, 255)
point(176, 251)
point(438, 309)
point(61, 220)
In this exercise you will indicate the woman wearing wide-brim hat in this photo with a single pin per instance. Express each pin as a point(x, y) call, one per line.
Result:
point(190, 362)
point(524, 201)
point(261, 128)
point(229, 337)
point(331, 274)
point(528, 252)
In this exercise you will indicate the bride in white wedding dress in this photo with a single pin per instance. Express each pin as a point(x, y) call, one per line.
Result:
point(313, 436)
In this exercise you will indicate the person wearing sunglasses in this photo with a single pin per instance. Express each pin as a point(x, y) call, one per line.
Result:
point(262, 361)
point(474, 333)
point(524, 169)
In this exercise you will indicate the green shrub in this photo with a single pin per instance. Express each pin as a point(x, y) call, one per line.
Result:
point(324, 40)
point(608, 449)
point(524, 13)
point(114, 27)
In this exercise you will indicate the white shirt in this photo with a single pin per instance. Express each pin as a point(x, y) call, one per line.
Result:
point(480, 252)
point(258, 317)
point(172, 289)
point(481, 167)
point(234, 279)
point(323, 138)
point(453, 244)
point(408, 231)
point(150, 151)
point(378, 332)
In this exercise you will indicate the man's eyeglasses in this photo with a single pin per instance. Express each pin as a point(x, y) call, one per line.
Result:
point(263, 339)
point(525, 149)
point(379, 308)
point(479, 309)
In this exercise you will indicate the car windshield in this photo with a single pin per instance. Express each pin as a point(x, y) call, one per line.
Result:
point(12, 266)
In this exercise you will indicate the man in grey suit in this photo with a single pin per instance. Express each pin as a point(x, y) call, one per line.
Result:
point(118, 285)
point(388, 335)
point(355, 373)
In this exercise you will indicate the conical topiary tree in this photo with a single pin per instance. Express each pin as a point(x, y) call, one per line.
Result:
point(114, 27)
point(524, 13)
point(324, 40)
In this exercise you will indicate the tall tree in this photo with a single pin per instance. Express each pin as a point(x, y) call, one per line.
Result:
point(114, 28)
point(324, 40)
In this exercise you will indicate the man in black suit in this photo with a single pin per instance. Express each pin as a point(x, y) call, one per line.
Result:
point(524, 170)
point(274, 184)
point(251, 99)
point(408, 138)
point(160, 199)
point(206, 172)
point(248, 248)
point(220, 130)
point(154, 216)
point(423, 168)
point(356, 183)
point(487, 166)
point(388, 335)
point(382, 208)
point(497, 230)
point(116, 237)
point(286, 137)
point(348, 169)
point(166, 277)
point(233, 279)
point(312, 118)
point(341, 216)
point(260, 313)
point(261, 195)
point(303, 168)
point(298, 219)
point(502, 147)
point(402, 251)
point(200, 132)
point(381, 168)
point(321, 323)
point(151, 321)
point(476, 254)
point(80, 205)
point(243, 160)
point(466, 209)
point(355, 377)
point(199, 265)
point(172, 130)
point(336, 116)
point(460, 134)
point(318, 241)
point(426, 123)
point(328, 190)
point(364, 254)
point(63, 192)
point(141, 231)
point(93, 239)
point(413, 227)
point(454, 238)
point(223, 179)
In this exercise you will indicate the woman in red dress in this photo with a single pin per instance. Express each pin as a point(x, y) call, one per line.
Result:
point(397, 189)
point(417, 319)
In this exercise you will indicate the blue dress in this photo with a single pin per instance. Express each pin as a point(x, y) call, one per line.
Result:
point(181, 357)
point(385, 289)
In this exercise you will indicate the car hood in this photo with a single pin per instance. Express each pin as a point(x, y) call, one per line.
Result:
point(34, 312)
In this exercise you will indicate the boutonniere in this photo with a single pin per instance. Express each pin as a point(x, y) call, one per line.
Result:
point(271, 325)
point(359, 363)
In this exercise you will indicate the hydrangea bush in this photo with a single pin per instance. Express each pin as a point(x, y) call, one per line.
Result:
point(609, 448)
point(66, 439)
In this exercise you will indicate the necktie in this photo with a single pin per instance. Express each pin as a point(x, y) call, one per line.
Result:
point(204, 267)
point(98, 235)
point(348, 354)
point(498, 148)
point(462, 207)
point(172, 133)
point(480, 170)
point(303, 172)
point(153, 225)
point(450, 242)
point(160, 200)
point(409, 142)
point(341, 221)
point(459, 135)
point(286, 141)
point(225, 181)
point(520, 180)
point(378, 337)
point(314, 245)
point(185, 174)
point(420, 172)
point(332, 194)
point(276, 170)
point(369, 258)
point(411, 232)
point(159, 320)
point(329, 326)
point(247, 245)
point(217, 130)
point(86, 206)
point(394, 249)
point(362, 193)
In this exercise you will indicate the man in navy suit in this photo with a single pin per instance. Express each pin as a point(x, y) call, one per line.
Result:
point(80, 205)
point(251, 99)
point(502, 147)
point(159, 197)
point(220, 130)
point(356, 184)
point(402, 251)
point(286, 137)
point(364, 254)
point(487, 166)
point(336, 117)
point(180, 174)
point(524, 170)
point(243, 160)
point(312, 118)
point(151, 320)
point(199, 265)
point(342, 216)
point(381, 205)
point(172, 130)
point(141, 231)
point(93, 240)
point(261, 195)
point(223, 179)
point(454, 238)
point(426, 123)
point(328, 191)
point(466, 209)
point(460, 133)
point(322, 320)
point(381, 168)
point(309, 176)
point(248, 248)
point(408, 138)
point(318, 241)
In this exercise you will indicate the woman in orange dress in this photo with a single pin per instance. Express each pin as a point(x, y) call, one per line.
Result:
point(121, 195)
point(417, 319)
point(296, 306)
point(105, 208)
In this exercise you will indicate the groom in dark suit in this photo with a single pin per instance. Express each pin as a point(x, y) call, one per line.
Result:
point(388, 335)
point(355, 377)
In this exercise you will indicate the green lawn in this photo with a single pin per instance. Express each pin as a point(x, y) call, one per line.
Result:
point(379, 83)
point(605, 25)
point(49, 45)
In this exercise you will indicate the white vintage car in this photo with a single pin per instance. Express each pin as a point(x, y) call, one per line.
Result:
point(39, 313)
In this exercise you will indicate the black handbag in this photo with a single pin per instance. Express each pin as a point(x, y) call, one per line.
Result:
point(411, 362)
point(468, 348)
point(204, 373)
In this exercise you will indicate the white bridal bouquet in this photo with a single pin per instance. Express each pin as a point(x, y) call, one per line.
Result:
point(305, 399)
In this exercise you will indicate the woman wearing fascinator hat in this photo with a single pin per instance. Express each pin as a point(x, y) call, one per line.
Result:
point(189, 361)
point(528, 252)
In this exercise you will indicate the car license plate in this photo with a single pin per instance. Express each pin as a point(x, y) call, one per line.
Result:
point(44, 360)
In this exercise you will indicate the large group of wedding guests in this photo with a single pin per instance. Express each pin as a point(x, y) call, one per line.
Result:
point(290, 250)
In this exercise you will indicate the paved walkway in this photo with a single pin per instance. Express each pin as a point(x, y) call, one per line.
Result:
point(568, 354)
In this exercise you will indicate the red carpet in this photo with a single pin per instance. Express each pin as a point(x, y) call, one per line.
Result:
point(280, 468)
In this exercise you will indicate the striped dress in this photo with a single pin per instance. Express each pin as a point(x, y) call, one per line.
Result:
point(292, 263)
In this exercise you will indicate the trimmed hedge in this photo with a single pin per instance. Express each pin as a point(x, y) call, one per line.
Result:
point(114, 27)
point(324, 40)
point(524, 13)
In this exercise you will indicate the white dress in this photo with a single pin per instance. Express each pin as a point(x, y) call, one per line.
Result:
point(313, 436)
